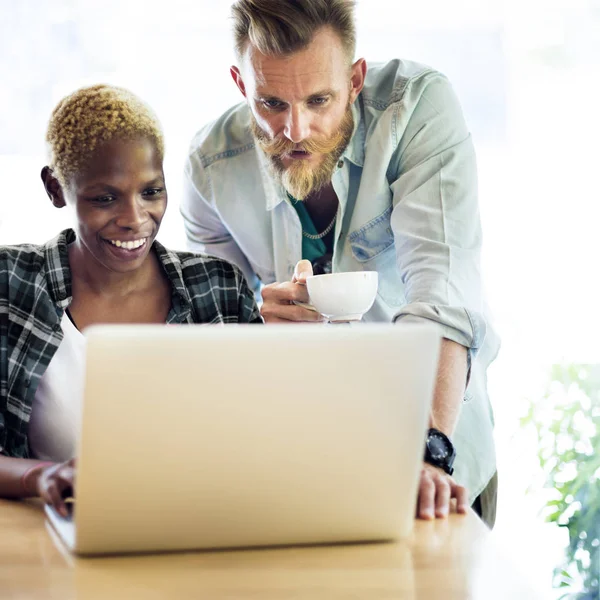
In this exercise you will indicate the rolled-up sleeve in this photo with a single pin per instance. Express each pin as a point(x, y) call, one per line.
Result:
point(435, 218)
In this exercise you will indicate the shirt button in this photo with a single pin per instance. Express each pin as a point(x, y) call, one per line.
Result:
point(340, 164)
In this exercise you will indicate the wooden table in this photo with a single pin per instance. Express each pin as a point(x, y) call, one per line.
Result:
point(454, 559)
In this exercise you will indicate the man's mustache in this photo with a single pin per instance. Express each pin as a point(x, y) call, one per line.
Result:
point(283, 146)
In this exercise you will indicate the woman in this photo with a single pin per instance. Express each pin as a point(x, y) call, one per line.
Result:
point(105, 165)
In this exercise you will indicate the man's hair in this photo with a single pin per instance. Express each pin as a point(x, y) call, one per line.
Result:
point(93, 115)
point(282, 27)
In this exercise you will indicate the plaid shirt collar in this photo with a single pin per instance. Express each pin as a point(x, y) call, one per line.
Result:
point(58, 274)
point(60, 288)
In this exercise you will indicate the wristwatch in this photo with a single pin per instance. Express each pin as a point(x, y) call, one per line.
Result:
point(439, 451)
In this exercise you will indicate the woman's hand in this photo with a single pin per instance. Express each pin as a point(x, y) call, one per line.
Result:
point(55, 483)
point(436, 490)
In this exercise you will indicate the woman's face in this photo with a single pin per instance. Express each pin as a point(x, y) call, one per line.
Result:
point(119, 200)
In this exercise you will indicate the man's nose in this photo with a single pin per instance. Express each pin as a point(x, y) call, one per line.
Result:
point(297, 127)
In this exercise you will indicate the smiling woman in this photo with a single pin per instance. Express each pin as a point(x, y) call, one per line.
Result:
point(119, 199)
point(106, 167)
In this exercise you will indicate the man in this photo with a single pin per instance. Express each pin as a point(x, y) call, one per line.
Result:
point(330, 166)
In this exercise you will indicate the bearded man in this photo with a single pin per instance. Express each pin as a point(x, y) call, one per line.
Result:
point(332, 166)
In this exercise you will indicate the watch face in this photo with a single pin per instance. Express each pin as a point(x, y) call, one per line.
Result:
point(437, 447)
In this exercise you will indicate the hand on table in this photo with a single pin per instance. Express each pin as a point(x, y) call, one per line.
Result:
point(436, 489)
point(278, 299)
point(55, 483)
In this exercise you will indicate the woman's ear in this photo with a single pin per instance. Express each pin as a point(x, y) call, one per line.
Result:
point(53, 188)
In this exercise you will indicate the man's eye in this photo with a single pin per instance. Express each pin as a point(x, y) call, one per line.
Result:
point(319, 101)
point(272, 104)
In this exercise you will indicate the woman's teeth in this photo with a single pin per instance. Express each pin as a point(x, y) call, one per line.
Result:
point(130, 245)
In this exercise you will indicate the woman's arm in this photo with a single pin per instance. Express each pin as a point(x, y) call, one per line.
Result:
point(25, 478)
point(19, 476)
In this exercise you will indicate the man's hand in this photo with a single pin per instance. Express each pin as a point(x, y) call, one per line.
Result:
point(55, 482)
point(279, 299)
point(436, 489)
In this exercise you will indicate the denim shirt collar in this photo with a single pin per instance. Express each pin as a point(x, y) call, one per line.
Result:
point(355, 151)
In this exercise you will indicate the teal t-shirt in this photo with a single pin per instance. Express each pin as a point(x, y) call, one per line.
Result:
point(311, 249)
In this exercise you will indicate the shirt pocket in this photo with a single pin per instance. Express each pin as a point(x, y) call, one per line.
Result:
point(373, 246)
point(374, 238)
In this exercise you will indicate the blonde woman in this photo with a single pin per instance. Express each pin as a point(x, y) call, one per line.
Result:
point(106, 167)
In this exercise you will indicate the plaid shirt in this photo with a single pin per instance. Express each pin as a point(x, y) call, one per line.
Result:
point(35, 290)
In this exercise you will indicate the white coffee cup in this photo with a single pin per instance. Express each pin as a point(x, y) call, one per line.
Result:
point(343, 296)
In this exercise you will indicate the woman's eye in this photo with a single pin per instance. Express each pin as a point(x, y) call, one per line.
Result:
point(103, 199)
point(150, 192)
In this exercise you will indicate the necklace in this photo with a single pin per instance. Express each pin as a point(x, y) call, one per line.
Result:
point(323, 233)
point(318, 236)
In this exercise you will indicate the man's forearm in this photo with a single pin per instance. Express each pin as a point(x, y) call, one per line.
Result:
point(449, 386)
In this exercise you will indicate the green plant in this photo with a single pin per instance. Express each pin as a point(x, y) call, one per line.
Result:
point(567, 423)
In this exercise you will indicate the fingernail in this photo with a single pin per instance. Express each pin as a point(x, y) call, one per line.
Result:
point(426, 514)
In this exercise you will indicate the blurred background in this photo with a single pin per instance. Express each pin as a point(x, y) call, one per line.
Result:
point(527, 73)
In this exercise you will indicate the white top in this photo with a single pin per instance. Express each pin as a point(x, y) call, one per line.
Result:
point(56, 411)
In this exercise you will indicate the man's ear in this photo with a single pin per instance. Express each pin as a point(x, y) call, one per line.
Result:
point(358, 72)
point(53, 188)
point(237, 77)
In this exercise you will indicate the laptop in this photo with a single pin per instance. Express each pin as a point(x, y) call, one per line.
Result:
point(206, 437)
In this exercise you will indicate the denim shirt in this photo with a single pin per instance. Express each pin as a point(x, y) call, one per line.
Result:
point(408, 208)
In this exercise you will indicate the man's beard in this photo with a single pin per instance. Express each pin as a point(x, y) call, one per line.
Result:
point(301, 178)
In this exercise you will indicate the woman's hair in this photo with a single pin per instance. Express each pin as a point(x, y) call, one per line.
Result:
point(93, 115)
point(280, 27)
